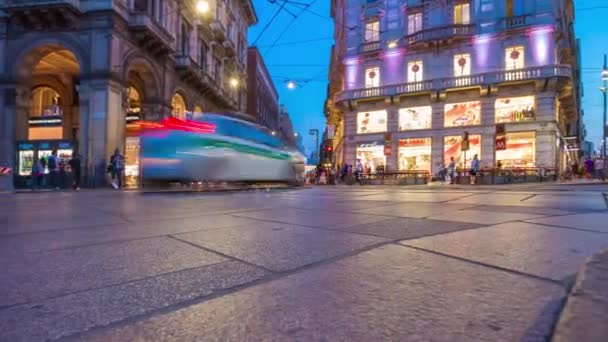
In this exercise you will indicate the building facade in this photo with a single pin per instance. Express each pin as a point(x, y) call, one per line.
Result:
point(412, 77)
point(262, 96)
point(286, 126)
point(77, 72)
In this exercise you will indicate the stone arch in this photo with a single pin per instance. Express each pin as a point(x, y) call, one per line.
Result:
point(31, 52)
point(142, 72)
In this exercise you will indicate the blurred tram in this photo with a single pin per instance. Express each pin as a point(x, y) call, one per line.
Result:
point(217, 148)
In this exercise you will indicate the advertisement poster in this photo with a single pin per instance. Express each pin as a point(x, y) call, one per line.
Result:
point(371, 122)
point(462, 114)
point(372, 156)
point(520, 151)
point(515, 109)
point(451, 148)
point(415, 118)
point(415, 154)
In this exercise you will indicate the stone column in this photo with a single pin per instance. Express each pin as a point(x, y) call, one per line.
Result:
point(392, 127)
point(437, 137)
point(102, 119)
point(7, 135)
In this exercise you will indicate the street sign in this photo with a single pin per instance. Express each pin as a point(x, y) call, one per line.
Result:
point(501, 143)
point(331, 131)
point(464, 145)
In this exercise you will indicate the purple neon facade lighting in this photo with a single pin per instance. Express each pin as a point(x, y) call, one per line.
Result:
point(541, 44)
point(392, 66)
point(482, 44)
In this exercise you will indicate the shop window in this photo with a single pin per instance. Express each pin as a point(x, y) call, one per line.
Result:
point(462, 114)
point(371, 155)
point(452, 147)
point(371, 122)
point(45, 102)
point(372, 31)
point(414, 23)
point(415, 154)
point(520, 152)
point(179, 106)
point(462, 14)
point(515, 58)
point(415, 118)
point(415, 71)
point(198, 109)
point(134, 100)
point(462, 65)
point(515, 109)
point(372, 77)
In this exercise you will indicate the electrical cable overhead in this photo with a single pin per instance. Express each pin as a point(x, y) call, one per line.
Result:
point(268, 23)
point(288, 25)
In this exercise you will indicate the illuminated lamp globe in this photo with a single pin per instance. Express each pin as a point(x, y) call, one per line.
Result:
point(291, 85)
point(202, 6)
point(234, 82)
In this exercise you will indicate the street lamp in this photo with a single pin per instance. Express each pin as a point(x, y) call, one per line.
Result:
point(291, 85)
point(202, 6)
point(273, 133)
point(234, 82)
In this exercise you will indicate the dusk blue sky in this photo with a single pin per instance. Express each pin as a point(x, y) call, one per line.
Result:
point(309, 61)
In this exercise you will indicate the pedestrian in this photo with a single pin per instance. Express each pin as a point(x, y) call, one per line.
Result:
point(475, 166)
point(452, 170)
point(75, 167)
point(589, 168)
point(37, 173)
point(53, 166)
point(117, 168)
point(358, 171)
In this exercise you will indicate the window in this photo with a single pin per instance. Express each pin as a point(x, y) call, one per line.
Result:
point(371, 122)
point(514, 109)
point(371, 156)
point(372, 77)
point(140, 5)
point(372, 31)
point(414, 154)
point(462, 64)
point(414, 71)
point(462, 14)
point(520, 152)
point(202, 55)
point(179, 106)
point(414, 23)
point(45, 102)
point(185, 39)
point(462, 114)
point(217, 70)
point(415, 118)
point(514, 7)
point(515, 58)
point(452, 148)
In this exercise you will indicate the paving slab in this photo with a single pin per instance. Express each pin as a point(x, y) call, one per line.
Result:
point(58, 239)
point(431, 197)
point(593, 221)
point(390, 293)
point(409, 228)
point(553, 253)
point(311, 218)
point(523, 210)
point(38, 222)
point(65, 315)
point(36, 276)
point(280, 247)
point(415, 210)
point(482, 216)
point(588, 201)
point(492, 198)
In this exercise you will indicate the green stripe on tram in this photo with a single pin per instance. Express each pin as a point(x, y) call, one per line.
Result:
point(243, 148)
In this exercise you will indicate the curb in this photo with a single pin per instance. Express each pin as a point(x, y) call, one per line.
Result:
point(585, 314)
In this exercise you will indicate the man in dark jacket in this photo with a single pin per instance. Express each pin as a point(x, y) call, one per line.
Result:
point(75, 167)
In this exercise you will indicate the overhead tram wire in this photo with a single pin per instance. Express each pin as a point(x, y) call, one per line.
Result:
point(268, 24)
point(287, 26)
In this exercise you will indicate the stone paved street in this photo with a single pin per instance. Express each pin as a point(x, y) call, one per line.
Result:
point(319, 264)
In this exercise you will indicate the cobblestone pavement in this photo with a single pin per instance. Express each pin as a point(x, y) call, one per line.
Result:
point(320, 264)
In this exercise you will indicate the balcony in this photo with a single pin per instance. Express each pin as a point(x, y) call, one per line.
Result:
point(414, 4)
point(150, 34)
point(515, 22)
point(190, 72)
point(369, 47)
point(219, 31)
point(443, 33)
point(443, 84)
point(229, 48)
point(42, 13)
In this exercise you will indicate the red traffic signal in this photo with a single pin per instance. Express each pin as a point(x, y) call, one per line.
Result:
point(330, 148)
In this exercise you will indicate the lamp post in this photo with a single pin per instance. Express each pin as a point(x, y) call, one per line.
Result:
point(604, 90)
point(315, 132)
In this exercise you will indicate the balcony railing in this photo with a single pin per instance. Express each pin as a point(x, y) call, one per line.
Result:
point(369, 47)
point(515, 22)
point(143, 22)
point(439, 84)
point(437, 33)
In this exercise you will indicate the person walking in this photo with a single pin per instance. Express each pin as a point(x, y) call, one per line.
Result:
point(452, 170)
point(117, 167)
point(53, 166)
point(475, 166)
point(75, 167)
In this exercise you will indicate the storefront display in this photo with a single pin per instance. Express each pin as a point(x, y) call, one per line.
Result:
point(29, 152)
point(462, 114)
point(372, 156)
point(132, 162)
point(25, 159)
point(452, 148)
point(415, 154)
point(520, 152)
point(415, 118)
point(45, 128)
point(371, 122)
point(515, 109)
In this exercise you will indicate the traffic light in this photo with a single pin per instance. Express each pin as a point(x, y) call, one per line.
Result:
point(330, 149)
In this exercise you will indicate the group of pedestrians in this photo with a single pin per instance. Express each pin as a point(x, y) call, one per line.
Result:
point(50, 171)
point(589, 168)
point(448, 173)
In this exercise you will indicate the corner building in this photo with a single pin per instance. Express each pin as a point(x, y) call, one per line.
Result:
point(77, 73)
point(416, 75)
